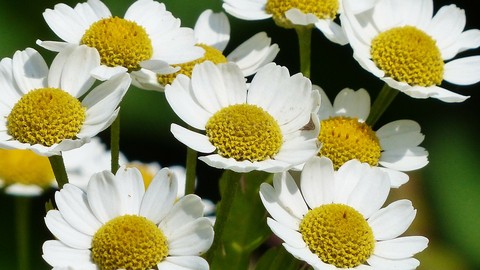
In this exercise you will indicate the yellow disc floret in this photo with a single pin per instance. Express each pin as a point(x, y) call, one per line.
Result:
point(25, 167)
point(338, 234)
point(244, 132)
point(407, 54)
point(345, 138)
point(325, 9)
point(211, 54)
point(129, 242)
point(46, 116)
point(119, 42)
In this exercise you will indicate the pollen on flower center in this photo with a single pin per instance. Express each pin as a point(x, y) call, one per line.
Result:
point(129, 242)
point(46, 116)
point(211, 54)
point(119, 42)
point(345, 138)
point(25, 167)
point(244, 132)
point(326, 9)
point(407, 54)
point(338, 234)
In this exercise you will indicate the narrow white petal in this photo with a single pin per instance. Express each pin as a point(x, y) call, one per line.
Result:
point(389, 264)
point(183, 263)
point(66, 23)
point(186, 210)
point(332, 31)
point(351, 103)
point(103, 197)
point(399, 134)
point(326, 107)
point(29, 70)
point(401, 247)
point(104, 73)
point(130, 186)
point(212, 29)
point(24, 190)
point(160, 196)
point(397, 178)
point(54, 46)
point(246, 10)
point(297, 17)
point(57, 254)
point(447, 25)
point(65, 232)
point(408, 159)
point(467, 40)
point(306, 255)
point(194, 140)
point(289, 195)
point(393, 220)
point(193, 238)
point(317, 181)
point(463, 71)
point(290, 236)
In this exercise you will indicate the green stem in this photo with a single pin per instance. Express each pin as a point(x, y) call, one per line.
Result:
point(22, 219)
point(115, 144)
point(59, 170)
point(191, 166)
point(381, 103)
point(223, 211)
point(304, 34)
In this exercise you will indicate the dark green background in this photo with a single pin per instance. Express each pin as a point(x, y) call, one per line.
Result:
point(446, 192)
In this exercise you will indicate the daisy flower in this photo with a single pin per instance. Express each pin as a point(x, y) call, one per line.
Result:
point(270, 125)
point(24, 173)
point(335, 220)
point(344, 135)
point(292, 13)
point(117, 224)
point(212, 33)
point(147, 39)
point(401, 43)
point(40, 107)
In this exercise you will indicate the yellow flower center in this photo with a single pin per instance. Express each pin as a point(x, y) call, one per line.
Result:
point(407, 54)
point(46, 116)
point(345, 138)
point(119, 42)
point(244, 132)
point(129, 242)
point(211, 54)
point(145, 171)
point(25, 167)
point(325, 9)
point(338, 234)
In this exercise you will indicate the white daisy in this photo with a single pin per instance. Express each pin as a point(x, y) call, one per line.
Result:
point(291, 13)
point(116, 224)
point(40, 107)
point(212, 33)
point(271, 125)
point(344, 135)
point(24, 173)
point(335, 220)
point(146, 41)
point(401, 43)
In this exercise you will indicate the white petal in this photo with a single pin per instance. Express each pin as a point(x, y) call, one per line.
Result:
point(347, 177)
point(332, 31)
point(317, 181)
point(351, 103)
point(269, 165)
point(289, 195)
point(212, 29)
point(289, 236)
point(469, 39)
point(387, 264)
point(54, 46)
point(24, 190)
point(194, 140)
point(246, 10)
point(463, 71)
point(57, 254)
point(104, 73)
point(400, 248)
point(65, 232)
point(66, 23)
point(183, 263)
point(193, 238)
point(399, 134)
point(393, 220)
point(131, 188)
point(103, 196)
point(326, 107)
point(29, 70)
point(407, 159)
point(447, 25)
point(306, 255)
point(186, 210)
point(397, 178)
point(160, 196)
point(297, 17)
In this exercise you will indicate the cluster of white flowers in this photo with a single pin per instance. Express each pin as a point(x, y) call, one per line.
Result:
point(244, 112)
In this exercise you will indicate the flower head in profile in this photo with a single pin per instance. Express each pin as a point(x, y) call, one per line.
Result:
point(41, 108)
point(294, 13)
point(146, 41)
point(269, 125)
point(24, 173)
point(117, 224)
point(344, 136)
point(401, 43)
point(335, 220)
point(212, 33)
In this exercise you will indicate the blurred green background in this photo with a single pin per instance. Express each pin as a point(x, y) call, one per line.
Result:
point(446, 192)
